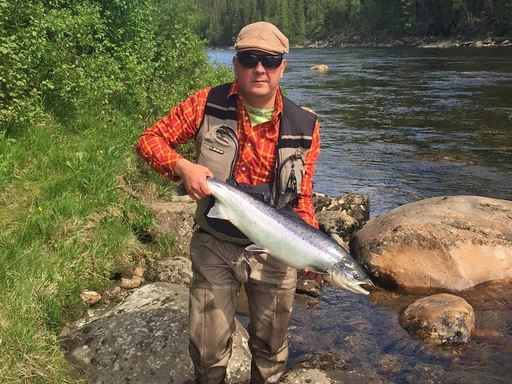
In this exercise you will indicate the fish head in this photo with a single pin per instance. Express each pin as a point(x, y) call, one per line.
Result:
point(350, 276)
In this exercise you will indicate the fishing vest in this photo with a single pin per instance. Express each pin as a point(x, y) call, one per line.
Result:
point(217, 148)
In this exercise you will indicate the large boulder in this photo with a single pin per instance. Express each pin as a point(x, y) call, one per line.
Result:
point(145, 340)
point(444, 243)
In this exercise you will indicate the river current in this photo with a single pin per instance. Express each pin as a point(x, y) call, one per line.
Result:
point(399, 125)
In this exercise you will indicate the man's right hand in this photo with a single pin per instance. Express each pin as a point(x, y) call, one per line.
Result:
point(194, 178)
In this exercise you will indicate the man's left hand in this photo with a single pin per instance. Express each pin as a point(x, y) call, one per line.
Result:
point(318, 277)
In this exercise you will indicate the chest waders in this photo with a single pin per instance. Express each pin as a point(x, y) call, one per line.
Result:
point(217, 148)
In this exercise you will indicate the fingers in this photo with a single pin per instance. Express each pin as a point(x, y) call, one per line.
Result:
point(318, 277)
point(194, 178)
point(197, 187)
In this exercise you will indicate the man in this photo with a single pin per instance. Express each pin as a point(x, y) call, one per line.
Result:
point(249, 133)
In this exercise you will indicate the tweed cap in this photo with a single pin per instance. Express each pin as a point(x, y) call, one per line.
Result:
point(262, 36)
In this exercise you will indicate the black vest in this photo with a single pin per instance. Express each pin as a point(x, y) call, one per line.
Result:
point(217, 148)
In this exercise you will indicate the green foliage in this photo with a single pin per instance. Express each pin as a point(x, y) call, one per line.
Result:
point(62, 58)
point(79, 81)
point(301, 20)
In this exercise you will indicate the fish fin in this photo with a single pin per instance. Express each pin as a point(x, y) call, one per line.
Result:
point(255, 248)
point(317, 270)
point(216, 212)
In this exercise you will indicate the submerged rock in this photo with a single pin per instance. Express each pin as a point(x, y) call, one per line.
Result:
point(320, 67)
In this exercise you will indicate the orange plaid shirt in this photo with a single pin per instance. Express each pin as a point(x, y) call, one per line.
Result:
point(257, 151)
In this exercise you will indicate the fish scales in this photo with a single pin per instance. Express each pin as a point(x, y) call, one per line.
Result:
point(288, 238)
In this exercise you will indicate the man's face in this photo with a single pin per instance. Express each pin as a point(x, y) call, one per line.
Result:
point(258, 84)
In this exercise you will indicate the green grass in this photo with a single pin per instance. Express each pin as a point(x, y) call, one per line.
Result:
point(68, 221)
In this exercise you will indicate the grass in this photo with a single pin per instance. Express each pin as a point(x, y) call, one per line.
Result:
point(68, 221)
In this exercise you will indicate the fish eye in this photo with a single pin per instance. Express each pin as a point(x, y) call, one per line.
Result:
point(357, 276)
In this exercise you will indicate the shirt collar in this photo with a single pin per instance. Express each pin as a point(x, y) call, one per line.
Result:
point(279, 98)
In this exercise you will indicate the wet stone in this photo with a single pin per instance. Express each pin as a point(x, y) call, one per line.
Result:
point(439, 319)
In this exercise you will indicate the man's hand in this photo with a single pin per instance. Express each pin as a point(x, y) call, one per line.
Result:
point(318, 277)
point(194, 178)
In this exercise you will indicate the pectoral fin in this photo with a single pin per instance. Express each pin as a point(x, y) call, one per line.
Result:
point(216, 212)
point(255, 248)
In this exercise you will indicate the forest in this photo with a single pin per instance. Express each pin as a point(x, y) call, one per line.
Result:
point(308, 20)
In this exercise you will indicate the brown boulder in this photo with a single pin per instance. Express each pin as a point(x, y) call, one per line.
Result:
point(440, 319)
point(442, 243)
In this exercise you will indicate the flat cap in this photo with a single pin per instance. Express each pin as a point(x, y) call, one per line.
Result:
point(262, 36)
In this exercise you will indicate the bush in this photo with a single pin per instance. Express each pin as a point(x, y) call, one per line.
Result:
point(64, 58)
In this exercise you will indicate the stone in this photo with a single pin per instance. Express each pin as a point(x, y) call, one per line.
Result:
point(131, 283)
point(144, 340)
point(343, 215)
point(320, 67)
point(173, 269)
point(337, 223)
point(90, 297)
point(439, 319)
point(448, 243)
point(176, 218)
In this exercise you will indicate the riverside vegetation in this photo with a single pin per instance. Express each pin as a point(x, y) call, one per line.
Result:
point(79, 81)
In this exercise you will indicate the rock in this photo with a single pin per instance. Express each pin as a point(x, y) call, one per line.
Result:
point(439, 319)
point(176, 218)
point(90, 297)
point(114, 293)
point(308, 109)
point(144, 340)
point(337, 223)
point(327, 368)
point(174, 269)
point(442, 243)
point(352, 204)
point(343, 215)
point(131, 283)
point(320, 67)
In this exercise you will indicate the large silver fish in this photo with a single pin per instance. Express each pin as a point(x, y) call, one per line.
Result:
point(286, 238)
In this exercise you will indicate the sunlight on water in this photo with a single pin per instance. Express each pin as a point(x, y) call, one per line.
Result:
point(401, 125)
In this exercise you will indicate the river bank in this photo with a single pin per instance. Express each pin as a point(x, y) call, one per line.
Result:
point(362, 40)
point(366, 41)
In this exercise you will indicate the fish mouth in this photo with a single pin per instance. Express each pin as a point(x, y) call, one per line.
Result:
point(356, 288)
point(350, 277)
point(353, 286)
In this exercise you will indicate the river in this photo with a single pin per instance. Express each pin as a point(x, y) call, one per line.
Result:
point(399, 125)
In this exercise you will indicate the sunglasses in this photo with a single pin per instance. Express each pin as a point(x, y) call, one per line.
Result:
point(250, 60)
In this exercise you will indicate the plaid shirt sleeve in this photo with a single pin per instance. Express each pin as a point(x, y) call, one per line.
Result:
point(305, 207)
point(157, 144)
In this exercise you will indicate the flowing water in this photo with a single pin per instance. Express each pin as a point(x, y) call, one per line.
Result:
point(399, 125)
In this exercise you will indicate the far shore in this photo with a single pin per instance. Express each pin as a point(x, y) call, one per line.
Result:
point(361, 41)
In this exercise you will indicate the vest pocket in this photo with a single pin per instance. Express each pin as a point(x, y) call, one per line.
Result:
point(219, 151)
point(288, 179)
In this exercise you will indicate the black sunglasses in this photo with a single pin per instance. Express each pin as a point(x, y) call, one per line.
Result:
point(250, 60)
